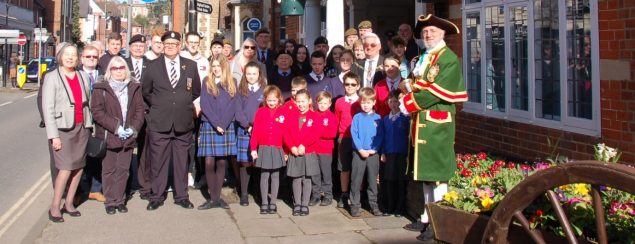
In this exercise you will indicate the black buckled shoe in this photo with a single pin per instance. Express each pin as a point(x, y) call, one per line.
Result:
point(185, 204)
point(110, 210)
point(122, 208)
point(297, 210)
point(264, 209)
point(304, 211)
point(244, 201)
point(208, 204)
point(153, 205)
point(273, 209)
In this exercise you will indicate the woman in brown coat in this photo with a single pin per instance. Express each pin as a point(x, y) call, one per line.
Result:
point(117, 107)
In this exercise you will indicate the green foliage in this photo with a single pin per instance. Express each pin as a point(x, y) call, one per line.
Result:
point(76, 32)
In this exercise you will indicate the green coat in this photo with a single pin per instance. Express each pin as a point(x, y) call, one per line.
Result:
point(433, 113)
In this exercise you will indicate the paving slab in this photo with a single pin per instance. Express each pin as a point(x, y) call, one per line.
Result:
point(388, 222)
point(261, 240)
point(389, 236)
point(168, 224)
point(337, 238)
point(242, 213)
point(328, 223)
point(268, 227)
point(315, 210)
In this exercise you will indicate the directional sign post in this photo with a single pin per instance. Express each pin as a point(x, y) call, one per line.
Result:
point(203, 7)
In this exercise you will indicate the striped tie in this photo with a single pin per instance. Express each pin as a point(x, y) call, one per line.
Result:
point(137, 74)
point(173, 79)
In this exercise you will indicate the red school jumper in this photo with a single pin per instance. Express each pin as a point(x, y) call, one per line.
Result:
point(308, 134)
point(328, 127)
point(344, 113)
point(268, 128)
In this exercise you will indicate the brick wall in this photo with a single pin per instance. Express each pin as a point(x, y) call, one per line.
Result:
point(293, 27)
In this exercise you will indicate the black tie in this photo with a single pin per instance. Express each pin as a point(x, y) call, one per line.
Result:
point(284, 74)
point(262, 56)
point(319, 77)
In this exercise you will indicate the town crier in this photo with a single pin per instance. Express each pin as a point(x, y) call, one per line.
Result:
point(437, 85)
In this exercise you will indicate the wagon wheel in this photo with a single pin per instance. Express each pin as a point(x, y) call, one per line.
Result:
point(596, 173)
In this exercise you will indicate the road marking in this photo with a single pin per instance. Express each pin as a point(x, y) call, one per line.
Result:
point(7, 103)
point(29, 96)
point(21, 208)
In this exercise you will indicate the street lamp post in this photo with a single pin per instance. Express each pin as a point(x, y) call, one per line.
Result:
point(6, 48)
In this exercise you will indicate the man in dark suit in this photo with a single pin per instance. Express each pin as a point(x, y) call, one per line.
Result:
point(140, 175)
point(370, 69)
point(283, 74)
point(169, 91)
point(412, 49)
point(265, 55)
point(114, 47)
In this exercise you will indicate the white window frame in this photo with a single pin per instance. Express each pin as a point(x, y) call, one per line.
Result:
point(566, 123)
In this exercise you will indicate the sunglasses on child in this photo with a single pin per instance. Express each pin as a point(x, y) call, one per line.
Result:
point(350, 84)
point(115, 68)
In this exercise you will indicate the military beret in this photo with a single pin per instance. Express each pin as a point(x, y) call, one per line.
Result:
point(171, 35)
point(350, 32)
point(137, 38)
point(321, 40)
point(366, 24)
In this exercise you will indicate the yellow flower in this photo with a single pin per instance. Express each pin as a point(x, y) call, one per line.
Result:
point(476, 181)
point(451, 196)
point(487, 203)
point(581, 189)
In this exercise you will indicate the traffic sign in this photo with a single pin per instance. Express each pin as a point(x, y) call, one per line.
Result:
point(21, 75)
point(254, 24)
point(21, 40)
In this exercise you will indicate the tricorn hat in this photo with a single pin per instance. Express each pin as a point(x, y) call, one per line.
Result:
point(431, 20)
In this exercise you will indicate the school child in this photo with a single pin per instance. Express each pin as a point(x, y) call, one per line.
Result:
point(367, 134)
point(250, 97)
point(301, 135)
point(394, 158)
point(387, 85)
point(298, 83)
point(322, 183)
point(217, 136)
point(345, 108)
point(266, 146)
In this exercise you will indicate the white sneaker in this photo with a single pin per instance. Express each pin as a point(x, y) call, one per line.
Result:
point(170, 189)
point(190, 180)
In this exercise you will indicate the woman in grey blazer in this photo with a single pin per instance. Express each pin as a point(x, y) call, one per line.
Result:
point(66, 111)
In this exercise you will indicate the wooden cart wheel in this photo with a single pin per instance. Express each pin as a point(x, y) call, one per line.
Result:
point(596, 173)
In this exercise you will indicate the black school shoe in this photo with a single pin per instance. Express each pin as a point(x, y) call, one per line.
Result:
point(273, 209)
point(110, 210)
point(297, 210)
point(122, 208)
point(304, 211)
point(244, 201)
point(264, 209)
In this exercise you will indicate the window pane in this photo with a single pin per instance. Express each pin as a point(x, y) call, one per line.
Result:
point(472, 1)
point(495, 59)
point(519, 57)
point(547, 62)
point(579, 95)
point(473, 44)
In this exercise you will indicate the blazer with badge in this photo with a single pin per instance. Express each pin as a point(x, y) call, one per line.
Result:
point(358, 69)
point(144, 66)
point(432, 106)
point(170, 107)
point(58, 104)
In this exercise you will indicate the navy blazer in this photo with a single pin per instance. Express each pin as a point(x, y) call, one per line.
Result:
point(170, 107)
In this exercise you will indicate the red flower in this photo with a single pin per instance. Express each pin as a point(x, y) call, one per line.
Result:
point(474, 164)
point(459, 166)
point(499, 163)
point(525, 167)
point(466, 173)
point(483, 175)
point(459, 157)
point(511, 165)
point(538, 212)
point(467, 157)
point(481, 156)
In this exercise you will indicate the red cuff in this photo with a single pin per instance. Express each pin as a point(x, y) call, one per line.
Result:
point(410, 103)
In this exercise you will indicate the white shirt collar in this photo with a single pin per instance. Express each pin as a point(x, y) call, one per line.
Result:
point(254, 87)
point(351, 99)
point(314, 76)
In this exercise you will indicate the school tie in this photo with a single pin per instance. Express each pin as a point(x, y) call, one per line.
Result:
point(319, 77)
point(173, 79)
point(262, 56)
point(369, 73)
point(284, 74)
point(392, 84)
point(137, 74)
point(251, 89)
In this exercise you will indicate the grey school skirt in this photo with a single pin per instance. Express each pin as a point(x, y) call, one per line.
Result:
point(270, 157)
point(73, 153)
point(306, 165)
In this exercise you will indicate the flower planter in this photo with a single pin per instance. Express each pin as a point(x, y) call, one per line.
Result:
point(452, 225)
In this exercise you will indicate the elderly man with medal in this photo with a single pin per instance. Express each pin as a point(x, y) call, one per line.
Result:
point(436, 85)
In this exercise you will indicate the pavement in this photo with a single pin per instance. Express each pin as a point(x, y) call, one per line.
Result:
point(173, 224)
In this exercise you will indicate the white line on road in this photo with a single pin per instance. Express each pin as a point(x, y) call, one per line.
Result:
point(9, 102)
point(21, 208)
point(29, 96)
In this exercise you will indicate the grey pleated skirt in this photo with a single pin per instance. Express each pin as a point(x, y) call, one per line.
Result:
point(270, 157)
point(306, 165)
point(73, 153)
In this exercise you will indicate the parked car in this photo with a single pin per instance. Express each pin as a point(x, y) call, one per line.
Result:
point(32, 69)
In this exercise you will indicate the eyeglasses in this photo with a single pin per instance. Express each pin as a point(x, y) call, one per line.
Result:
point(171, 44)
point(373, 45)
point(193, 42)
point(91, 56)
point(250, 47)
point(350, 84)
point(157, 43)
point(115, 68)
